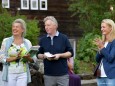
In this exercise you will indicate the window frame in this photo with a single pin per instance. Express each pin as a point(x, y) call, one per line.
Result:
point(32, 6)
point(7, 2)
point(25, 7)
point(41, 2)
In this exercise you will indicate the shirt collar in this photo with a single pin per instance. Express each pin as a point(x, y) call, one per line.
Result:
point(57, 34)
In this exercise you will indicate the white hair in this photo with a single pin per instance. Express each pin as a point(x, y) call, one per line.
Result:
point(23, 25)
point(52, 18)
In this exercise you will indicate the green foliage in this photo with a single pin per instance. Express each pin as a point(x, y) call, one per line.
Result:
point(86, 49)
point(86, 52)
point(82, 67)
point(33, 31)
point(6, 24)
point(92, 12)
point(76, 66)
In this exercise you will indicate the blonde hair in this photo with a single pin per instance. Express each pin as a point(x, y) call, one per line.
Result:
point(52, 19)
point(23, 25)
point(111, 24)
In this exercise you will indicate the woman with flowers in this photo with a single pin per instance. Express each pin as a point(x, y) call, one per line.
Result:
point(14, 56)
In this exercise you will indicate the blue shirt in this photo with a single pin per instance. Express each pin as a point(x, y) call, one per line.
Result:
point(58, 44)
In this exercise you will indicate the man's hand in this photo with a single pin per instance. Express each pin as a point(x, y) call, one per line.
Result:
point(50, 58)
point(57, 56)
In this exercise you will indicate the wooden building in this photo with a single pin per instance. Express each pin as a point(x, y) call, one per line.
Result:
point(57, 8)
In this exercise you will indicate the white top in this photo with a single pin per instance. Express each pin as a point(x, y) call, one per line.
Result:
point(20, 66)
point(102, 69)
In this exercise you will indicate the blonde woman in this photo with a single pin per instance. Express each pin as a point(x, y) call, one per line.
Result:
point(14, 56)
point(106, 54)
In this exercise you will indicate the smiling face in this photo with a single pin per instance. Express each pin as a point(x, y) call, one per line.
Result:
point(50, 27)
point(105, 28)
point(17, 30)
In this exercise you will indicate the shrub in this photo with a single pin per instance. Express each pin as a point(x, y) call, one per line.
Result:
point(86, 50)
point(6, 20)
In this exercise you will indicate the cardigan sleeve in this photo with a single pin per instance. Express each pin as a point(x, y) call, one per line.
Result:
point(2, 51)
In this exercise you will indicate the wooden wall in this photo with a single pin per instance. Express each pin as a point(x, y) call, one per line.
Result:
point(57, 8)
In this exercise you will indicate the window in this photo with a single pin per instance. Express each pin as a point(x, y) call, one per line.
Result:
point(43, 4)
point(25, 4)
point(5, 3)
point(34, 4)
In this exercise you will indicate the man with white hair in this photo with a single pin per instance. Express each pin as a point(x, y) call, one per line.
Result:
point(54, 49)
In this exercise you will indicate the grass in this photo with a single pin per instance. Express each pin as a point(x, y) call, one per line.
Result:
point(84, 67)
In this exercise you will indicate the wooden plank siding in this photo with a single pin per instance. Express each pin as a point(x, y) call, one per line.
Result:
point(57, 8)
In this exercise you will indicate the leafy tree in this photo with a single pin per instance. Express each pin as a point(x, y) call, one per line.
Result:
point(91, 13)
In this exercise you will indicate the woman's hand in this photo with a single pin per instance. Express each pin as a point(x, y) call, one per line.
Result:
point(27, 57)
point(99, 43)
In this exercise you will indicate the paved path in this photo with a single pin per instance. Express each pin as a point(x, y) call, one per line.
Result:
point(91, 82)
